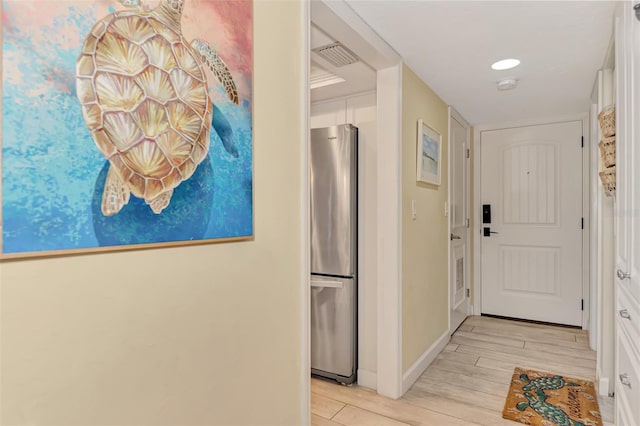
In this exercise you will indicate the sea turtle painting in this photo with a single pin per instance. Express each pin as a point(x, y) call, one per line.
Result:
point(145, 100)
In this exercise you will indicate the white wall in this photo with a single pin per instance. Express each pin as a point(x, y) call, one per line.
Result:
point(389, 207)
point(606, 226)
point(360, 110)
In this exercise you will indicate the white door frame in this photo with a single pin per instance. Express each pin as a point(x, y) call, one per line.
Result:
point(594, 243)
point(453, 114)
point(477, 203)
point(305, 238)
point(350, 28)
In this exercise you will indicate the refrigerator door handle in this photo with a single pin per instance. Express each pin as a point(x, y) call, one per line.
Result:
point(330, 284)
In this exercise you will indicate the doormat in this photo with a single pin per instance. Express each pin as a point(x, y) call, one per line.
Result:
point(544, 399)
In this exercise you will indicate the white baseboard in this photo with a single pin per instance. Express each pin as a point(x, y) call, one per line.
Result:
point(418, 367)
point(367, 379)
point(602, 383)
point(603, 386)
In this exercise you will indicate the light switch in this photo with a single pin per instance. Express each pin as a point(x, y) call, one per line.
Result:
point(446, 209)
point(414, 211)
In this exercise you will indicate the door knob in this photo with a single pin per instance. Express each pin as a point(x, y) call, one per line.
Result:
point(622, 275)
point(488, 232)
point(454, 237)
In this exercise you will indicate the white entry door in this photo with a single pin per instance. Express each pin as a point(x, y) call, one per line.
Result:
point(531, 180)
point(458, 285)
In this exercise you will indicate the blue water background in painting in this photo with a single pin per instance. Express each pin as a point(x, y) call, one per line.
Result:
point(52, 170)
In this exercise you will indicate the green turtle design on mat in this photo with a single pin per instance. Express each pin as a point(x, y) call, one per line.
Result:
point(545, 383)
point(537, 400)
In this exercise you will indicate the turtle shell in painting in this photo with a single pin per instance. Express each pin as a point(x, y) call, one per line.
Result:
point(144, 98)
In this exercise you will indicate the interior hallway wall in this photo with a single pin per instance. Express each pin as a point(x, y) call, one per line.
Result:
point(605, 365)
point(360, 110)
point(199, 335)
point(424, 240)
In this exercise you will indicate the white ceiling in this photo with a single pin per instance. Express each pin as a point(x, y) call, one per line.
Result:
point(452, 44)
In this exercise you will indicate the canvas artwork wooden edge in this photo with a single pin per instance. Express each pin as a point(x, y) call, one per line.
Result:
point(253, 122)
point(1, 123)
point(132, 247)
point(420, 132)
point(115, 249)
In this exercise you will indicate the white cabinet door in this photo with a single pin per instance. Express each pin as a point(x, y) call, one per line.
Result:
point(627, 39)
point(633, 150)
point(628, 151)
point(622, 145)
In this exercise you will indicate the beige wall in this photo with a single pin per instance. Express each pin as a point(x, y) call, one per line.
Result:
point(207, 335)
point(424, 240)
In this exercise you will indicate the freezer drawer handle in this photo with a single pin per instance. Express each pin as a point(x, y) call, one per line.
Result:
point(624, 314)
point(624, 379)
point(330, 284)
point(622, 275)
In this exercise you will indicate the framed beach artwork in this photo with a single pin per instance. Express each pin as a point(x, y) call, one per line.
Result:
point(125, 124)
point(429, 154)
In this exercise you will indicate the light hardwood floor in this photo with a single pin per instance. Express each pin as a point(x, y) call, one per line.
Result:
point(468, 381)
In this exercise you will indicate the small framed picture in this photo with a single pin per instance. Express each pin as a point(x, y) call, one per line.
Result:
point(429, 154)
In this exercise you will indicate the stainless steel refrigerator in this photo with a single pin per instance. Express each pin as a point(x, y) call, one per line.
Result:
point(334, 202)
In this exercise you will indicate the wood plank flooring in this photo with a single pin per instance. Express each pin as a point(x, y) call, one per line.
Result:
point(467, 382)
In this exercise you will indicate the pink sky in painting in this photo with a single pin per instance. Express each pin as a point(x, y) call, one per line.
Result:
point(226, 24)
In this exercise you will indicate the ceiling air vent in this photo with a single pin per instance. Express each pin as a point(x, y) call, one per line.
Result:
point(337, 54)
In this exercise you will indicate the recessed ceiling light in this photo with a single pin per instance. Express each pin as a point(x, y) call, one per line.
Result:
point(505, 64)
